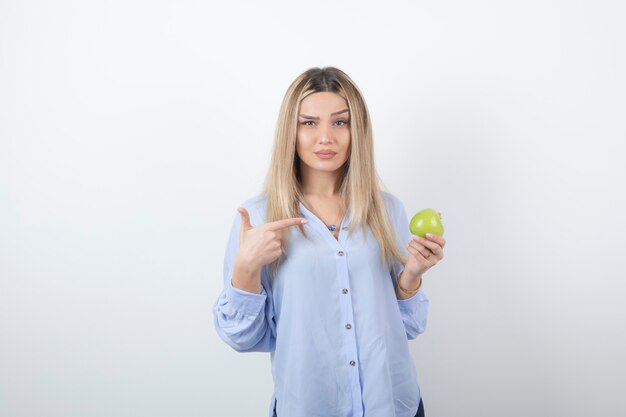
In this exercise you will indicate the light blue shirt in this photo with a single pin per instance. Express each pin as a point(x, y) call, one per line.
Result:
point(337, 334)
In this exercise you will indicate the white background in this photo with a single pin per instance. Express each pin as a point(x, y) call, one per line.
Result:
point(131, 130)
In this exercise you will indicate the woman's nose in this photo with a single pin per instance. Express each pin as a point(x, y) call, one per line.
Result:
point(325, 134)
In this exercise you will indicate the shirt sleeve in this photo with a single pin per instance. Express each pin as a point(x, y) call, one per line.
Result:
point(244, 320)
point(414, 310)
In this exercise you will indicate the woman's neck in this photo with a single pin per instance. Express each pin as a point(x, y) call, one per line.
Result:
point(319, 184)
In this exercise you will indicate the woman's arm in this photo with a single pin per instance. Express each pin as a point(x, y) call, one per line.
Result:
point(244, 313)
point(243, 317)
point(413, 306)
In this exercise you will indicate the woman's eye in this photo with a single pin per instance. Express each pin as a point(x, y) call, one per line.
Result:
point(306, 123)
point(342, 122)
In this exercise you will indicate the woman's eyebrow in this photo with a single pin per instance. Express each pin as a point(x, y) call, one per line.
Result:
point(305, 116)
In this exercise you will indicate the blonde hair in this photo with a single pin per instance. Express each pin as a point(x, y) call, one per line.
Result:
point(359, 182)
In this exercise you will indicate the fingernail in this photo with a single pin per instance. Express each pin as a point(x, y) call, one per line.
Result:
point(429, 234)
point(304, 221)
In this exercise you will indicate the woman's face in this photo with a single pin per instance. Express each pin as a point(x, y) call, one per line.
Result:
point(323, 133)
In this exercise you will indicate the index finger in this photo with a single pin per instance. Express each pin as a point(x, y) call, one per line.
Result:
point(438, 239)
point(282, 224)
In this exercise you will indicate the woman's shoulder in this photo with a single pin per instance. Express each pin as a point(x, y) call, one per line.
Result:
point(392, 202)
point(256, 207)
point(256, 201)
point(395, 208)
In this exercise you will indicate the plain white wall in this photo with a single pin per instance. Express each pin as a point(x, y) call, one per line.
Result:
point(131, 130)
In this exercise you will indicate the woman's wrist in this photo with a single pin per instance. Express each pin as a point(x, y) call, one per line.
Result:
point(408, 287)
point(246, 277)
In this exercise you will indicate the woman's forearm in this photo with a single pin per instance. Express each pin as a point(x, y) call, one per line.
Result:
point(246, 278)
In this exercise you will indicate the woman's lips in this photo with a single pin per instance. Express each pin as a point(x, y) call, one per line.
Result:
point(325, 155)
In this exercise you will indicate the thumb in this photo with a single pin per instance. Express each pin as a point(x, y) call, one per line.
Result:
point(245, 219)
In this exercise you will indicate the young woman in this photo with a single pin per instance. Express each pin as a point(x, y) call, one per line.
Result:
point(316, 271)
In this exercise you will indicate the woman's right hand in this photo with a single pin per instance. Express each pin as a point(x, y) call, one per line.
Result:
point(258, 246)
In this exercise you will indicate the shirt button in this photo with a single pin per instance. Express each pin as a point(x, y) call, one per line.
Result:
point(340, 253)
point(344, 228)
point(348, 326)
point(345, 291)
point(352, 363)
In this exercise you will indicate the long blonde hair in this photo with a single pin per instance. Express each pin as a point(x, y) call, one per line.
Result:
point(359, 183)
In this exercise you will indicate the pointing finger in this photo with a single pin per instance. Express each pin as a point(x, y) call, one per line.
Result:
point(282, 224)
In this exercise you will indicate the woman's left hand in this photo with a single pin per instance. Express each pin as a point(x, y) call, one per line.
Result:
point(424, 253)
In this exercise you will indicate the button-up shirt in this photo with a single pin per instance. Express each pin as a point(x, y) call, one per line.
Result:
point(336, 332)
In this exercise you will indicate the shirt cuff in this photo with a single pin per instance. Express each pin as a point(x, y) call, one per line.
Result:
point(246, 303)
point(411, 304)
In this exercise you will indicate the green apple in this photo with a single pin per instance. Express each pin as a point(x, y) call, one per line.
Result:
point(426, 221)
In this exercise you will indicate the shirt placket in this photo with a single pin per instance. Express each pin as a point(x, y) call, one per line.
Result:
point(346, 321)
